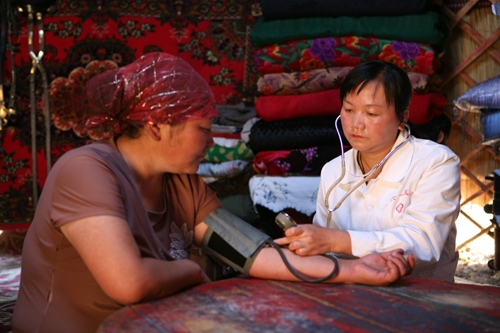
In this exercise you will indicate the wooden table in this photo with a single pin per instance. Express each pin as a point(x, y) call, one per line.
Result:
point(252, 305)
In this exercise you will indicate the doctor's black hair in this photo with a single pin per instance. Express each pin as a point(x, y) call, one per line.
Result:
point(394, 80)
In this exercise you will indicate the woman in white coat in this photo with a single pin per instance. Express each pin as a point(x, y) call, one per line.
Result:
point(410, 202)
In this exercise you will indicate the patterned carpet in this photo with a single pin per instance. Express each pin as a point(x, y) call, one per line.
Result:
point(11, 244)
point(245, 304)
point(10, 273)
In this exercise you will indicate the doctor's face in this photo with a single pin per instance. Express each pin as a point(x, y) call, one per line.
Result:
point(370, 125)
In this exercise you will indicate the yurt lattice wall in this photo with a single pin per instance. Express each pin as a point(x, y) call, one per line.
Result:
point(471, 57)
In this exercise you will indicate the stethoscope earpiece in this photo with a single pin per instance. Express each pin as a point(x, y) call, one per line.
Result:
point(366, 177)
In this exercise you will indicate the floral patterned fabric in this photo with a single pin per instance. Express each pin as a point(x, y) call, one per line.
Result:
point(220, 153)
point(278, 193)
point(419, 82)
point(308, 54)
point(298, 83)
point(84, 38)
point(316, 80)
point(181, 241)
point(223, 169)
point(295, 162)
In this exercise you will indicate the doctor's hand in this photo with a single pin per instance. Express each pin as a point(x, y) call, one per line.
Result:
point(309, 239)
point(379, 268)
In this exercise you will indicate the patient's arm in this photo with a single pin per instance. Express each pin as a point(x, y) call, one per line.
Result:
point(110, 251)
point(373, 269)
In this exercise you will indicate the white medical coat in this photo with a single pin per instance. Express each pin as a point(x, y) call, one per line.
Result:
point(412, 204)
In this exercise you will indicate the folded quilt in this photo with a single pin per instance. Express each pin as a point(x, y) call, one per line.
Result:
point(324, 103)
point(226, 142)
point(216, 128)
point(296, 133)
point(423, 107)
point(224, 169)
point(223, 154)
point(236, 136)
point(280, 9)
point(316, 80)
point(297, 83)
point(304, 162)
point(308, 54)
point(279, 193)
point(429, 27)
point(234, 115)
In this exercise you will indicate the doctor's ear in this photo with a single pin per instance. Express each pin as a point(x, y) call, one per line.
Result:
point(406, 116)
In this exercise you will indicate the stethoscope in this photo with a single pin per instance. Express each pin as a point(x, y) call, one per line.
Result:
point(366, 177)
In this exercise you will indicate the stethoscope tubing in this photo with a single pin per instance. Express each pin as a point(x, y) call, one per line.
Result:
point(366, 176)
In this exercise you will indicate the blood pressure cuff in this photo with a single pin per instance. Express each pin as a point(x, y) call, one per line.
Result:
point(232, 240)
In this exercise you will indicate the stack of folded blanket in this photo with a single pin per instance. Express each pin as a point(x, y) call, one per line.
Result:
point(230, 155)
point(304, 51)
point(227, 167)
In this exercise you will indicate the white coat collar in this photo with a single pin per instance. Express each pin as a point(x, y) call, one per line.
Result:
point(392, 171)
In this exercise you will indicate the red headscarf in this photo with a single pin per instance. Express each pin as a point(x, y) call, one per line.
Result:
point(156, 88)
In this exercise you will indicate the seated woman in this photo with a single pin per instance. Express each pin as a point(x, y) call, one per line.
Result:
point(117, 218)
point(410, 202)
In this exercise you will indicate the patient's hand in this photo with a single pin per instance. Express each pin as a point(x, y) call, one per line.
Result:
point(377, 269)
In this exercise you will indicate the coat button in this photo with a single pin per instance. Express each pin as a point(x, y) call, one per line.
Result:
point(368, 206)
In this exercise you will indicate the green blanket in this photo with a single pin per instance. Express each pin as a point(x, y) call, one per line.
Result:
point(429, 27)
point(219, 154)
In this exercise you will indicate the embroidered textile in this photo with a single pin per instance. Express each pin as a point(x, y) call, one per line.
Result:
point(83, 39)
point(223, 154)
point(307, 54)
point(278, 193)
point(295, 162)
point(316, 80)
point(223, 169)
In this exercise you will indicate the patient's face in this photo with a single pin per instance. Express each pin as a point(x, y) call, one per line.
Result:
point(185, 145)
